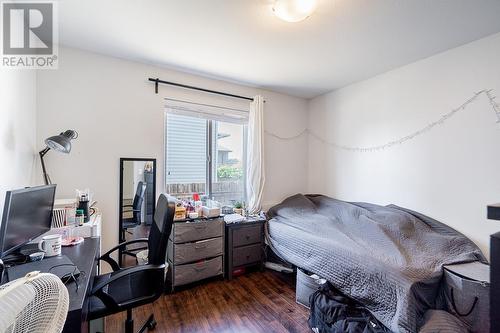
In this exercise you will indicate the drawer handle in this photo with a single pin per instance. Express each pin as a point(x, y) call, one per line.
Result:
point(247, 237)
point(200, 246)
point(248, 257)
point(199, 269)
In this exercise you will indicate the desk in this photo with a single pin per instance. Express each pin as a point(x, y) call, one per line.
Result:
point(85, 257)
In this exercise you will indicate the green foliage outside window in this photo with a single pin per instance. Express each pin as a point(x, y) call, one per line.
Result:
point(227, 172)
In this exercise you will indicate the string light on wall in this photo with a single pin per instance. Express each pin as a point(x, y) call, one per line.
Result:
point(294, 10)
point(488, 93)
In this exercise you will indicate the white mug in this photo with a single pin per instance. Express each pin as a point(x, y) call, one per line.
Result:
point(51, 245)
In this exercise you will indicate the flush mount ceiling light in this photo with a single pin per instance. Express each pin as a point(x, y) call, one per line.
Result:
point(294, 10)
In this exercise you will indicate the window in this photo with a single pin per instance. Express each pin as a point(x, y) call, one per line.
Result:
point(205, 154)
point(228, 171)
point(186, 167)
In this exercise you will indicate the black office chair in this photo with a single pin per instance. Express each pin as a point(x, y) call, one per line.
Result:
point(136, 209)
point(127, 288)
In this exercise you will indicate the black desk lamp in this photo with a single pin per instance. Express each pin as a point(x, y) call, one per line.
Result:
point(60, 143)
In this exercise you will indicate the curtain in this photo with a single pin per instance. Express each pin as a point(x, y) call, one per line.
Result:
point(255, 156)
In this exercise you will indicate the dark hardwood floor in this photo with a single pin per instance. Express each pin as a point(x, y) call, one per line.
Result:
point(256, 302)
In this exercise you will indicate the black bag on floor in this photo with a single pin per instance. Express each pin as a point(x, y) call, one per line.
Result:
point(331, 312)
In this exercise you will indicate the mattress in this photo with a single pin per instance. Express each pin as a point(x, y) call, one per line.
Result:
point(388, 258)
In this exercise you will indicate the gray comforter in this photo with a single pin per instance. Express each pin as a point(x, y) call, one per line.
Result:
point(388, 258)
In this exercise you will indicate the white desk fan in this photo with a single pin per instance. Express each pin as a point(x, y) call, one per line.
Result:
point(37, 303)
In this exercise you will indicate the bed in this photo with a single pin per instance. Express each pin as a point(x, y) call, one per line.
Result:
point(386, 257)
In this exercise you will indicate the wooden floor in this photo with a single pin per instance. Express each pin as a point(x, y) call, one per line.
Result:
point(256, 302)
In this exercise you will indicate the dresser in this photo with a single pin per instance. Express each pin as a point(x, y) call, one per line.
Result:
point(244, 245)
point(195, 251)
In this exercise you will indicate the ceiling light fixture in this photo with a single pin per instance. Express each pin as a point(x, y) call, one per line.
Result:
point(294, 10)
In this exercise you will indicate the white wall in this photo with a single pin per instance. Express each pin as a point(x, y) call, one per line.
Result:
point(17, 129)
point(450, 173)
point(114, 109)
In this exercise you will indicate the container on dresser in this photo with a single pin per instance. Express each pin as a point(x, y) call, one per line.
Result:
point(244, 245)
point(195, 251)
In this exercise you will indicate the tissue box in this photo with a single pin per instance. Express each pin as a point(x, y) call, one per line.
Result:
point(210, 212)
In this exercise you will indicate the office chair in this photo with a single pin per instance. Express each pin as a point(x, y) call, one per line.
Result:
point(136, 209)
point(127, 288)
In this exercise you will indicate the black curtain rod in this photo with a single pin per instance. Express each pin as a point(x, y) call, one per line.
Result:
point(157, 81)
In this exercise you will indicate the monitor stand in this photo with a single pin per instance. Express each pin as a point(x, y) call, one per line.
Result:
point(21, 255)
point(29, 249)
point(15, 258)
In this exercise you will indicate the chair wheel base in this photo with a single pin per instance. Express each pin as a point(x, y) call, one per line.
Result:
point(150, 324)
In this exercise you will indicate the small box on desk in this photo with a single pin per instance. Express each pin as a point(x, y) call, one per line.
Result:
point(211, 212)
point(92, 228)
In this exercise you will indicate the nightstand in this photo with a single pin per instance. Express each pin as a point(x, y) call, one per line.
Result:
point(244, 245)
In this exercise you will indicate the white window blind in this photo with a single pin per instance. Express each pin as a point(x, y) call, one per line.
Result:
point(186, 149)
point(206, 111)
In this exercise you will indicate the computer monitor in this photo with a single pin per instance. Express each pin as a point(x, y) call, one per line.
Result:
point(27, 214)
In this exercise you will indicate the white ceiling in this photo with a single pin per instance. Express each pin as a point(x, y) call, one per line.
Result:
point(344, 41)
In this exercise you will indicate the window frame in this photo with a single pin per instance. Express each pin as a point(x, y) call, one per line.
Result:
point(210, 149)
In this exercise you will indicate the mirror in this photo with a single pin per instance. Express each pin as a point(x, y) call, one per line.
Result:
point(137, 204)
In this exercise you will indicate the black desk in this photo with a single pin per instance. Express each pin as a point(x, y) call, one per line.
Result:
point(85, 257)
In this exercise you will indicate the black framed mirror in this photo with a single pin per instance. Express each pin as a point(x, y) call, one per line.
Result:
point(136, 202)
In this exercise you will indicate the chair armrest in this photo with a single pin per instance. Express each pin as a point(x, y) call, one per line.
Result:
point(135, 249)
point(106, 256)
point(106, 298)
point(124, 272)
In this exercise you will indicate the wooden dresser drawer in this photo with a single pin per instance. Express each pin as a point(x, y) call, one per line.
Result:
point(189, 252)
point(247, 254)
point(189, 273)
point(183, 232)
point(248, 235)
